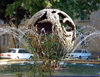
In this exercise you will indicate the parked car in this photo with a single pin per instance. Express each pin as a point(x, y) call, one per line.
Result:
point(79, 54)
point(16, 53)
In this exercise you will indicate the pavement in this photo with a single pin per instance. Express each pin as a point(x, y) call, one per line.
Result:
point(19, 61)
point(54, 76)
point(7, 75)
point(78, 76)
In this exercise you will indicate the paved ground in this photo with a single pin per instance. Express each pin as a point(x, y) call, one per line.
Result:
point(8, 76)
point(77, 76)
point(18, 61)
point(53, 76)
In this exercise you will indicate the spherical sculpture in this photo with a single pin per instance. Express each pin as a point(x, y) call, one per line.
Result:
point(53, 22)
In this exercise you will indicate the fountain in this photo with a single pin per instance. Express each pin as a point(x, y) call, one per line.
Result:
point(86, 36)
point(46, 36)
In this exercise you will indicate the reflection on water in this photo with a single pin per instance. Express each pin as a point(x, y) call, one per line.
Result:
point(73, 63)
point(72, 69)
point(81, 69)
point(89, 64)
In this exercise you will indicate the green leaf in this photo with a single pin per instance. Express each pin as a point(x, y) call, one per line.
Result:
point(47, 3)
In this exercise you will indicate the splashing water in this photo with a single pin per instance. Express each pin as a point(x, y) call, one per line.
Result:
point(20, 33)
point(93, 35)
point(17, 33)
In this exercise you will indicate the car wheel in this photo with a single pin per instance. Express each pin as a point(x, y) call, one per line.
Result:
point(80, 57)
point(88, 58)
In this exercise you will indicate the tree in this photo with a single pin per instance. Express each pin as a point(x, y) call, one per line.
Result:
point(15, 15)
point(74, 8)
point(78, 8)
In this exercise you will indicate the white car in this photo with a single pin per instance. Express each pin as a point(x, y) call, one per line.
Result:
point(16, 53)
point(79, 54)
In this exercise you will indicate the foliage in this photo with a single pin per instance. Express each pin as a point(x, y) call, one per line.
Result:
point(31, 5)
point(47, 49)
point(78, 30)
point(19, 9)
point(3, 6)
point(74, 8)
point(78, 8)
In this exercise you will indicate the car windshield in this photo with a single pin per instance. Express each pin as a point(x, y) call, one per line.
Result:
point(77, 51)
point(23, 51)
point(11, 51)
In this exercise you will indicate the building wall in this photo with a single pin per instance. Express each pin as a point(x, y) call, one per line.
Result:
point(4, 42)
point(7, 40)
